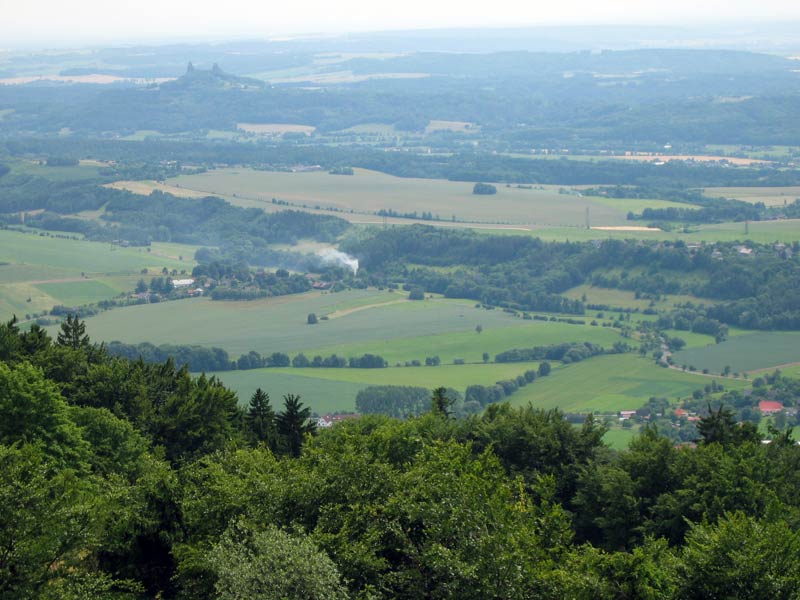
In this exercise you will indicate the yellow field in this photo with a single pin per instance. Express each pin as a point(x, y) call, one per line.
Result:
point(146, 187)
point(95, 78)
point(692, 157)
point(771, 196)
point(275, 128)
point(459, 126)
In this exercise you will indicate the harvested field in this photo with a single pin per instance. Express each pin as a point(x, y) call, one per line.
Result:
point(692, 157)
point(275, 128)
point(459, 126)
point(626, 228)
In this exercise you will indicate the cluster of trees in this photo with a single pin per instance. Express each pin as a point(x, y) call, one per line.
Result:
point(198, 358)
point(721, 211)
point(201, 359)
point(513, 271)
point(565, 352)
point(262, 287)
point(693, 319)
point(24, 192)
point(129, 480)
point(477, 397)
point(484, 189)
point(403, 401)
point(210, 221)
point(424, 215)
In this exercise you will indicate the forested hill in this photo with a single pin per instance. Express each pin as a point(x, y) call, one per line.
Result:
point(752, 289)
point(128, 480)
point(200, 80)
point(163, 217)
point(610, 98)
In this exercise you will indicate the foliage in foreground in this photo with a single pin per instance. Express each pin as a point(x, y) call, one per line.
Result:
point(125, 480)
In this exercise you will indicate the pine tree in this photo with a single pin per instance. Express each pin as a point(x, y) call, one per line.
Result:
point(294, 423)
point(440, 403)
point(73, 334)
point(260, 418)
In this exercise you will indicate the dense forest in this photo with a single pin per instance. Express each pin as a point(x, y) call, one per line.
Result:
point(123, 479)
point(612, 98)
point(212, 221)
point(752, 289)
point(149, 160)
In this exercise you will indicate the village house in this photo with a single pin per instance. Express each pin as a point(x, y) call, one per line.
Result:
point(181, 283)
point(769, 407)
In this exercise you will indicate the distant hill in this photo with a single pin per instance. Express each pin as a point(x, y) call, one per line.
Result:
point(214, 78)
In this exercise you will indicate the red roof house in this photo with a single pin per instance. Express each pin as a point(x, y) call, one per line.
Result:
point(769, 407)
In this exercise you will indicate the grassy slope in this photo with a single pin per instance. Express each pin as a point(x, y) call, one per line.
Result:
point(625, 299)
point(51, 270)
point(746, 352)
point(609, 384)
point(402, 331)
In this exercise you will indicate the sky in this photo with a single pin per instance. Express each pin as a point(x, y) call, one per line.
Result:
point(58, 22)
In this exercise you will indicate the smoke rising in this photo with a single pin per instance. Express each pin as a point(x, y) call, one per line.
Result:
point(335, 257)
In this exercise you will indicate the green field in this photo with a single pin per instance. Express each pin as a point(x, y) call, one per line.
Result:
point(41, 271)
point(748, 352)
point(76, 256)
point(619, 437)
point(361, 321)
point(604, 384)
point(609, 384)
point(693, 340)
point(332, 390)
point(370, 191)
point(623, 298)
point(76, 293)
point(73, 173)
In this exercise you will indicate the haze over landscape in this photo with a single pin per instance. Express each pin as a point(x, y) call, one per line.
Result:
point(91, 21)
point(418, 300)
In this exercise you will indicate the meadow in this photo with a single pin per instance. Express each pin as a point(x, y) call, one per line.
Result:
point(603, 384)
point(743, 353)
point(367, 192)
point(609, 384)
point(334, 390)
point(361, 321)
point(38, 272)
point(619, 437)
point(83, 170)
point(624, 299)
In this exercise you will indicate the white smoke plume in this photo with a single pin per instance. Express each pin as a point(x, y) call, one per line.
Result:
point(331, 256)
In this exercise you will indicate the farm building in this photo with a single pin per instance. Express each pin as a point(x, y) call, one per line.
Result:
point(626, 414)
point(769, 407)
point(179, 283)
point(326, 421)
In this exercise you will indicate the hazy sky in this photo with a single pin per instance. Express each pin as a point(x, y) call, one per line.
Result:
point(56, 22)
